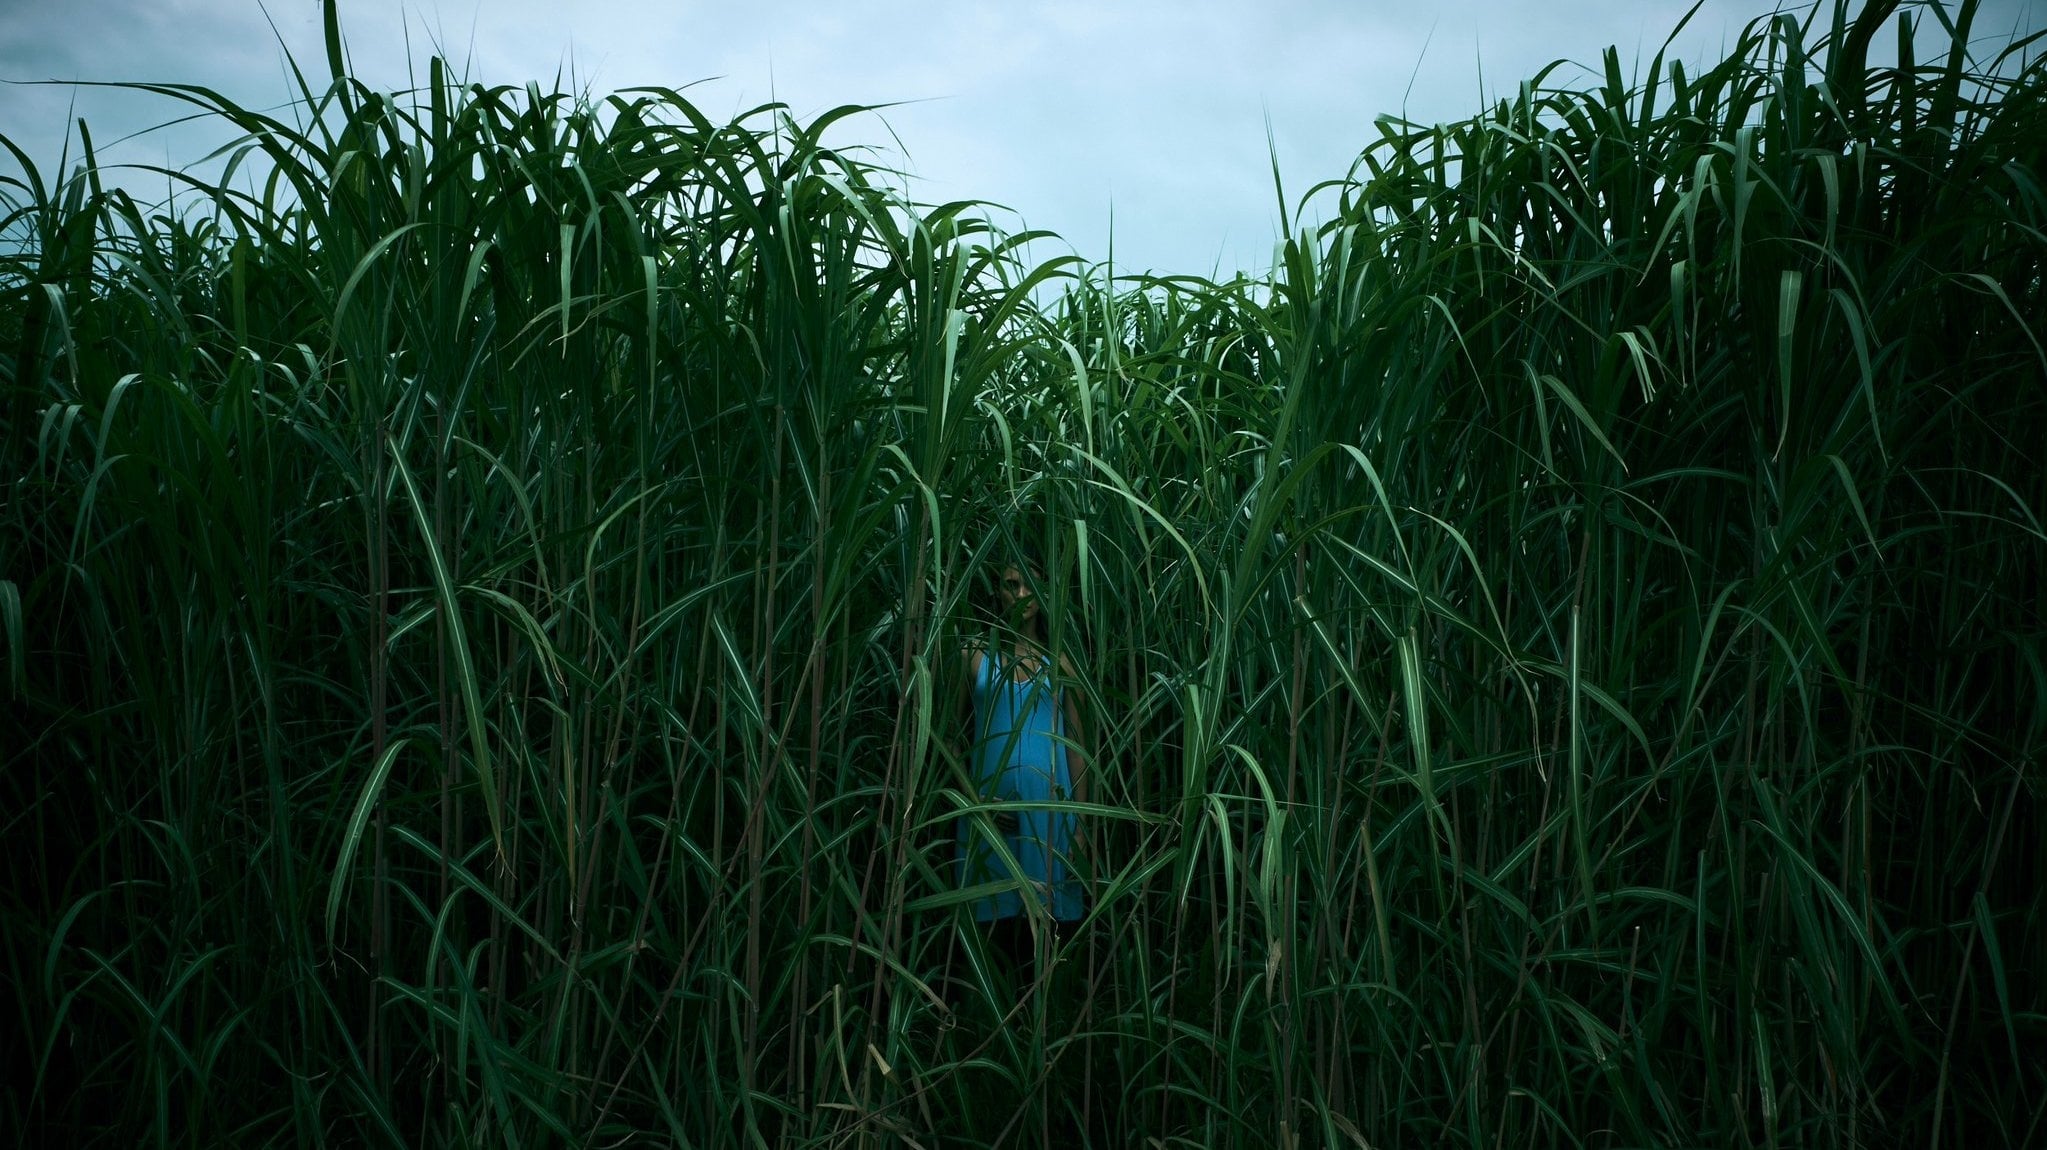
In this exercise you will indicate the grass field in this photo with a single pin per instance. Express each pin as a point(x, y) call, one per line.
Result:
point(1565, 651)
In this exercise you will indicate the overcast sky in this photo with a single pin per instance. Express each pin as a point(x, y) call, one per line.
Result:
point(1073, 113)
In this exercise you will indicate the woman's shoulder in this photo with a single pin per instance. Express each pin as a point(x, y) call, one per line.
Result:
point(973, 649)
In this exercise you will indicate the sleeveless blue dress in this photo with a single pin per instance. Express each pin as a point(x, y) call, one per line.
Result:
point(1016, 758)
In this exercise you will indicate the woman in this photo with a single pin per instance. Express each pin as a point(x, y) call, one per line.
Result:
point(1026, 748)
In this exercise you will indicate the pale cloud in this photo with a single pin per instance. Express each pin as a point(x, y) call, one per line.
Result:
point(1063, 111)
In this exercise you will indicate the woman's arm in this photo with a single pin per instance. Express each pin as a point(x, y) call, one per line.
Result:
point(970, 656)
point(1076, 759)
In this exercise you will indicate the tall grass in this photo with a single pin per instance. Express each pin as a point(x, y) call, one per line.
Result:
point(1563, 653)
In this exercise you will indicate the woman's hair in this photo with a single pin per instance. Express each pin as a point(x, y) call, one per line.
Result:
point(1009, 547)
point(1027, 557)
point(1024, 555)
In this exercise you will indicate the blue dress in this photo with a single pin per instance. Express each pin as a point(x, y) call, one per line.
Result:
point(1016, 758)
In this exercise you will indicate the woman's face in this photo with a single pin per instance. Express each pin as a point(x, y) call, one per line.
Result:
point(1018, 603)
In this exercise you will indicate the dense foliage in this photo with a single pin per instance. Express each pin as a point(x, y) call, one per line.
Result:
point(1563, 652)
